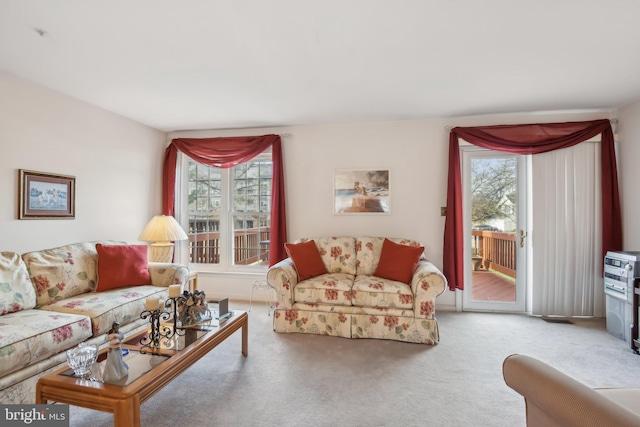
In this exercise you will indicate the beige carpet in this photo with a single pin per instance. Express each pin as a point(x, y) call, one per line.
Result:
point(307, 380)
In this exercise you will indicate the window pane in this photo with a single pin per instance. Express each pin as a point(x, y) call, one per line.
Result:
point(204, 239)
point(240, 171)
point(204, 204)
point(252, 185)
point(251, 239)
point(266, 170)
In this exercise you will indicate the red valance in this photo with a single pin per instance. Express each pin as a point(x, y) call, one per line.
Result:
point(226, 153)
point(528, 139)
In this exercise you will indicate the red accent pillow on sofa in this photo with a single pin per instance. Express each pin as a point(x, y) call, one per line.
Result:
point(122, 265)
point(306, 259)
point(398, 262)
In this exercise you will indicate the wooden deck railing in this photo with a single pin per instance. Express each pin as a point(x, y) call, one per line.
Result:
point(251, 246)
point(497, 250)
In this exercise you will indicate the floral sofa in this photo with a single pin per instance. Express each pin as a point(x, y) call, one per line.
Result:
point(52, 300)
point(344, 297)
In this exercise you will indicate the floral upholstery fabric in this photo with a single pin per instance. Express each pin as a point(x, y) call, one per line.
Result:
point(347, 325)
point(326, 288)
point(312, 322)
point(23, 392)
point(18, 387)
point(166, 274)
point(377, 311)
point(371, 291)
point(338, 253)
point(103, 308)
point(409, 329)
point(368, 251)
point(428, 282)
point(16, 290)
point(357, 306)
point(63, 272)
point(59, 308)
point(29, 336)
point(283, 278)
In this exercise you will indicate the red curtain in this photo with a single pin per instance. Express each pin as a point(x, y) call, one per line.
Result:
point(226, 153)
point(528, 139)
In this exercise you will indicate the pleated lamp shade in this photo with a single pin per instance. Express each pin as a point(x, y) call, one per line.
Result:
point(162, 231)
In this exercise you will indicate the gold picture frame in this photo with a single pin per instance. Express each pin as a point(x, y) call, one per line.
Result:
point(45, 195)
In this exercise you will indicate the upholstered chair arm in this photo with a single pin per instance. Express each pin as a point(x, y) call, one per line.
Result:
point(428, 282)
point(283, 278)
point(555, 399)
point(165, 274)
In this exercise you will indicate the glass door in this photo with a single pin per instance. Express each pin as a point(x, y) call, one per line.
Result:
point(495, 207)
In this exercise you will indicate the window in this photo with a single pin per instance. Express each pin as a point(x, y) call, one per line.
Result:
point(229, 213)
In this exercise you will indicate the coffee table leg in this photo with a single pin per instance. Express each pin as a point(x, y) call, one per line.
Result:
point(245, 337)
point(127, 412)
point(39, 400)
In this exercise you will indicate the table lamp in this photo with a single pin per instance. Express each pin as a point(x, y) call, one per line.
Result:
point(162, 231)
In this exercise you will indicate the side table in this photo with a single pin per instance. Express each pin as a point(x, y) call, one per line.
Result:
point(262, 284)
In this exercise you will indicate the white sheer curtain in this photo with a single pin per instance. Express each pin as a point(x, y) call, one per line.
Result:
point(566, 232)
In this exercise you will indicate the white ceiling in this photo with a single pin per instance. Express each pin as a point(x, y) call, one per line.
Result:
point(212, 64)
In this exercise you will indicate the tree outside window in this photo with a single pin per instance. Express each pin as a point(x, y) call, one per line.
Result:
point(493, 192)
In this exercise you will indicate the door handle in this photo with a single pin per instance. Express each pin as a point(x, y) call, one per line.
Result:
point(523, 234)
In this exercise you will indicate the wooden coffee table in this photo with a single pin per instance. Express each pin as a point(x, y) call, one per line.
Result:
point(149, 371)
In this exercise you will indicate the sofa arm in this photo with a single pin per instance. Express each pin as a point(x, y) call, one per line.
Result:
point(283, 278)
point(165, 274)
point(555, 399)
point(427, 283)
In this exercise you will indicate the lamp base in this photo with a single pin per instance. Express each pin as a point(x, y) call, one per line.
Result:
point(161, 252)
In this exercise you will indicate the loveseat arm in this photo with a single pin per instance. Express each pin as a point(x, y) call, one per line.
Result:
point(283, 278)
point(427, 283)
point(165, 274)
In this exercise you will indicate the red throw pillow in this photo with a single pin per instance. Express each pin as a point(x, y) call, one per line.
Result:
point(306, 259)
point(398, 262)
point(122, 265)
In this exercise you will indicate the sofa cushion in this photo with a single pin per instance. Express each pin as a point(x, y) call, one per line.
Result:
point(397, 261)
point(63, 272)
point(306, 259)
point(29, 336)
point(371, 291)
point(625, 396)
point(338, 253)
point(369, 250)
point(16, 290)
point(123, 305)
point(122, 265)
point(328, 288)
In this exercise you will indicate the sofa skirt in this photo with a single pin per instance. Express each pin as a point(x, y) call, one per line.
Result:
point(349, 325)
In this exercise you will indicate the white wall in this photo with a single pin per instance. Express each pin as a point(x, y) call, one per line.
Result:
point(416, 152)
point(116, 162)
point(629, 173)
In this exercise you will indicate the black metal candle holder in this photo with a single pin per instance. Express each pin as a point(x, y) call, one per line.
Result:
point(158, 331)
point(174, 302)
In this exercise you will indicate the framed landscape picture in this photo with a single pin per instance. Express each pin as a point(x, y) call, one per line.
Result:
point(361, 191)
point(46, 196)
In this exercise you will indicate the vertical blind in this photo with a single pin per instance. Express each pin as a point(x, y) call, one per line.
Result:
point(567, 232)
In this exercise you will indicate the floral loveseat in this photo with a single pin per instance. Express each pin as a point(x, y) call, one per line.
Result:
point(344, 298)
point(52, 300)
